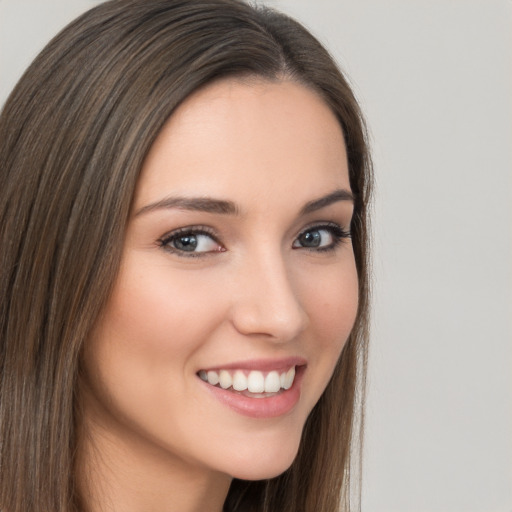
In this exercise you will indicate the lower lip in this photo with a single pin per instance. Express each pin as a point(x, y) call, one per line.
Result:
point(270, 407)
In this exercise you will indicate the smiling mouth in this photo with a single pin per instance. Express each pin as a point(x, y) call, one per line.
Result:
point(254, 383)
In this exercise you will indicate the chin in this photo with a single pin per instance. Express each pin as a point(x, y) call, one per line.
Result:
point(266, 471)
point(265, 462)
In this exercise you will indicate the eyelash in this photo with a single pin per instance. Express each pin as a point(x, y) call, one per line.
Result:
point(337, 232)
point(166, 240)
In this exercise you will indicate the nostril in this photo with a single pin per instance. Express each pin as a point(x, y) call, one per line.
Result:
point(276, 322)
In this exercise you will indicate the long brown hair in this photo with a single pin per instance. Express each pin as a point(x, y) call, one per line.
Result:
point(73, 136)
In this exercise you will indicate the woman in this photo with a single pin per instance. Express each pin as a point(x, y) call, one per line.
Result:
point(184, 194)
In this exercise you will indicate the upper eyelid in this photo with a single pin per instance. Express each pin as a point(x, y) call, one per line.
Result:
point(196, 230)
point(326, 224)
point(206, 230)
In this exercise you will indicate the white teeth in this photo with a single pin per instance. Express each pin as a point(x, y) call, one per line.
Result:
point(239, 381)
point(272, 383)
point(225, 380)
point(213, 378)
point(290, 375)
point(255, 382)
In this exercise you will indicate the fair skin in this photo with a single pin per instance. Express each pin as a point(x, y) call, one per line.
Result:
point(237, 261)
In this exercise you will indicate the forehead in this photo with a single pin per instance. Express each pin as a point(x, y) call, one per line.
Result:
point(247, 139)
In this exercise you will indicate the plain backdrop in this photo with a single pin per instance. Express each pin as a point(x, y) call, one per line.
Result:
point(435, 81)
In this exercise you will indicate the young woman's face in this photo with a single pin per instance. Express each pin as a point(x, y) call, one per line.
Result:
point(238, 267)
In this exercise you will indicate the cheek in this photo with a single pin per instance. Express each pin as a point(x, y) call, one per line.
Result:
point(332, 304)
point(139, 360)
point(147, 337)
point(155, 312)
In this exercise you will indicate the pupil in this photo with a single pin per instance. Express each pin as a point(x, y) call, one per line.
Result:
point(311, 239)
point(186, 243)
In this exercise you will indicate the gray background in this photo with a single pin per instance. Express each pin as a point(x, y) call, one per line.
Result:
point(435, 80)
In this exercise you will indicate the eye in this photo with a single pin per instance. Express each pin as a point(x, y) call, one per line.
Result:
point(190, 242)
point(321, 238)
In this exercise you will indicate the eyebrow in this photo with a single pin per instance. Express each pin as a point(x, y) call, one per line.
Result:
point(333, 197)
point(198, 204)
point(224, 207)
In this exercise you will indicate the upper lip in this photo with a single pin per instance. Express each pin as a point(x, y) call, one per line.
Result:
point(267, 365)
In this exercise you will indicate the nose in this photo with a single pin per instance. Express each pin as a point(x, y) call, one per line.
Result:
point(266, 302)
